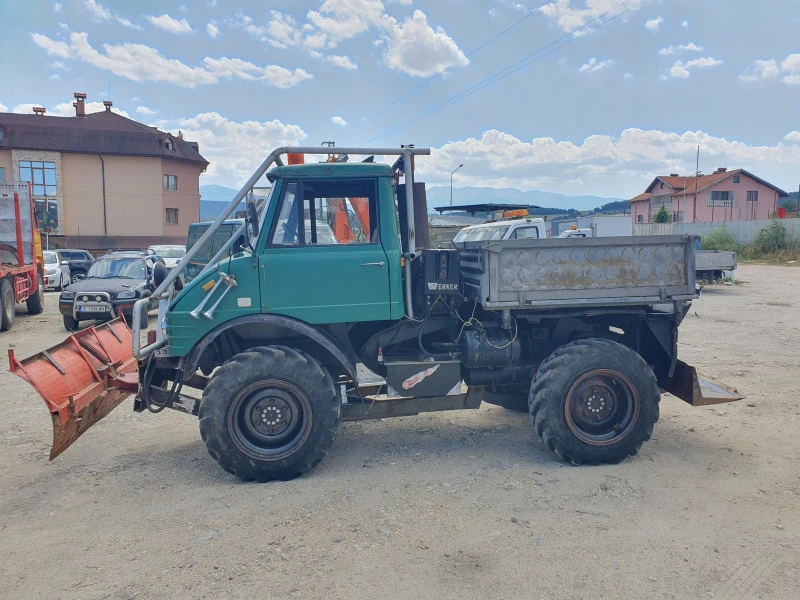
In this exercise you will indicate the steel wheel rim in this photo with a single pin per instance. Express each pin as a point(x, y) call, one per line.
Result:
point(75, 278)
point(602, 407)
point(270, 419)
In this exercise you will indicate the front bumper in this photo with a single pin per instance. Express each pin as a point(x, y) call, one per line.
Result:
point(96, 305)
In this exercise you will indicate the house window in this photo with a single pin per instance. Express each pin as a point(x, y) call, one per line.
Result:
point(677, 216)
point(752, 196)
point(662, 186)
point(723, 199)
point(171, 182)
point(2, 173)
point(640, 219)
point(169, 144)
point(41, 174)
point(172, 216)
point(735, 179)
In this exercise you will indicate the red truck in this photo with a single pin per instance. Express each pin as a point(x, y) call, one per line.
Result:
point(21, 261)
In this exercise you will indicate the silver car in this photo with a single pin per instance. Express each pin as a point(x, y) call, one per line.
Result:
point(56, 271)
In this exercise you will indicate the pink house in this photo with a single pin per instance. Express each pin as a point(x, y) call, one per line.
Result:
point(734, 195)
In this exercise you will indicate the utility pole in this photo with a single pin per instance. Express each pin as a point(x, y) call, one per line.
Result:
point(451, 182)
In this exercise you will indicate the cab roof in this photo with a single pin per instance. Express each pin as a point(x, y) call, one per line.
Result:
point(331, 171)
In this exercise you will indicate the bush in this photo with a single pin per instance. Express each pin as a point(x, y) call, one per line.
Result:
point(771, 238)
point(662, 216)
point(719, 239)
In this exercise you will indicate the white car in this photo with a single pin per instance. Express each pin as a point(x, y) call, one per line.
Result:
point(56, 271)
point(525, 228)
point(171, 254)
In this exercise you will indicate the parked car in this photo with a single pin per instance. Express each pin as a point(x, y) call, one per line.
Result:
point(57, 273)
point(78, 261)
point(112, 285)
point(171, 255)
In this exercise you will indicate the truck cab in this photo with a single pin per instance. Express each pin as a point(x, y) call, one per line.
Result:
point(523, 228)
point(577, 233)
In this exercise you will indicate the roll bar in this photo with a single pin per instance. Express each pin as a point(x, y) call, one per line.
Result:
point(275, 158)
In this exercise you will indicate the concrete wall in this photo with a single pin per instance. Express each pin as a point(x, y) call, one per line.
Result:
point(743, 232)
point(186, 198)
point(83, 195)
point(5, 163)
point(133, 196)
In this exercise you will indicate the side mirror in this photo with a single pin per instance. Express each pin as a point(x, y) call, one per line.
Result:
point(64, 263)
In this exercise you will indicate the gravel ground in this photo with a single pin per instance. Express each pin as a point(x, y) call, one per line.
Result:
point(454, 505)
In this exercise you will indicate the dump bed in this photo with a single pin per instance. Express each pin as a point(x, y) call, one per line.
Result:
point(9, 226)
point(715, 260)
point(551, 273)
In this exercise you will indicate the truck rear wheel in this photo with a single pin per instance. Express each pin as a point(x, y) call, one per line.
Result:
point(270, 413)
point(6, 305)
point(594, 401)
point(35, 303)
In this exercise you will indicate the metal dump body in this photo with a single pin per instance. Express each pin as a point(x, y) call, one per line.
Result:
point(16, 219)
point(552, 273)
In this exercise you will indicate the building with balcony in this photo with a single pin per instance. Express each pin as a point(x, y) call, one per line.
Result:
point(725, 195)
point(101, 180)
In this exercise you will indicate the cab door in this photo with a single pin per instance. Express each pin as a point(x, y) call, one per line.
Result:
point(323, 261)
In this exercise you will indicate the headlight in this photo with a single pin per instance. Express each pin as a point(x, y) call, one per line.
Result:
point(126, 295)
point(51, 271)
point(67, 295)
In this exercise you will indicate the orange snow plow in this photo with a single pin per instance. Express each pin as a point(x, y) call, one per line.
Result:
point(82, 379)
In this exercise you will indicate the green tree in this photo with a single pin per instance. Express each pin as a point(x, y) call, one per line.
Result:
point(662, 216)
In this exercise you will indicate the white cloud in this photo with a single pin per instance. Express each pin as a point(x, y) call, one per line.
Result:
point(341, 61)
point(212, 30)
point(761, 69)
point(101, 13)
point(569, 18)
point(282, 31)
point(685, 24)
point(690, 47)
point(54, 76)
point(340, 20)
point(57, 7)
point(138, 62)
point(618, 166)
point(337, 120)
point(65, 109)
point(792, 136)
point(234, 149)
point(415, 48)
point(3, 107)
point(653, 24)
point(628, 76)
point(592, 65)
point(682, 70)
point(143, 110)
point(792, 64)
point(169, 24)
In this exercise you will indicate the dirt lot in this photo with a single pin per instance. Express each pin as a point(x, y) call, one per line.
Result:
point(455, 505)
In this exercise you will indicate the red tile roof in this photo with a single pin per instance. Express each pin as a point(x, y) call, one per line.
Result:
point(102, 132)
point(698, 184)
point(640, 197)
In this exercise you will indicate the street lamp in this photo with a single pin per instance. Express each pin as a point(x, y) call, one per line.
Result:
point(451, 183)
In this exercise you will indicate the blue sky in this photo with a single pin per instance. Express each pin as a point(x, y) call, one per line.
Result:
point(604, 94)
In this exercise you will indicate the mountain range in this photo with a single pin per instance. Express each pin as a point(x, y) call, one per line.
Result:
point(213, 199)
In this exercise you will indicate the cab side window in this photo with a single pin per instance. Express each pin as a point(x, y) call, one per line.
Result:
point(526, 233)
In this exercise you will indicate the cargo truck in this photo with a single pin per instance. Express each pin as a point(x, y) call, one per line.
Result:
point(264, 343)
point(22, 276)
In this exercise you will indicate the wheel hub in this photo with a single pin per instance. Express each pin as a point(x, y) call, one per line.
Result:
point(271, 416)
point(602, 407)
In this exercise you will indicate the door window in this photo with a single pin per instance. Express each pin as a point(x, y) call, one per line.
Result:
point(526, 233)
point(333, 213)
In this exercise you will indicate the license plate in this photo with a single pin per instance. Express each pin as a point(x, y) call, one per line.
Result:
point(92, 309)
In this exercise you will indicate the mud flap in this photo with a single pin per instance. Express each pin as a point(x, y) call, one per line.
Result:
point(697, 390)
point(82, 379)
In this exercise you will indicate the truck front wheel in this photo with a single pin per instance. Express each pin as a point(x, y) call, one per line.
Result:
point(35, 303)
point(270, 413)
point(594, 401)
point(6, 305)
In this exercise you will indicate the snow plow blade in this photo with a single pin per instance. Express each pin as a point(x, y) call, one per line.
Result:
point(698, 390)
point(82, 379)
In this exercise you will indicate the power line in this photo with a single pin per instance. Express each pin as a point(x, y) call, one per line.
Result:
point(443, 71)
point(578, 33)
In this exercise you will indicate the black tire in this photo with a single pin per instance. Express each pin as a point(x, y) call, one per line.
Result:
point(74, 276)
point(512, 398)
point(60, 286)
point(7, 305)
point(71, 324)
point(594, 401)
point(255, 385)
point(35, 303)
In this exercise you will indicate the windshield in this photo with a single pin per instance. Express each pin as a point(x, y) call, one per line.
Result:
point(169, 252)
point(480, 234)
point(50, 258)
point(123, 268)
